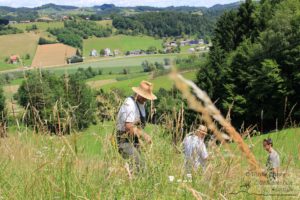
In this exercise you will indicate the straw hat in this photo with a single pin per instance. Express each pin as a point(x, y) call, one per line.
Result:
point(202, 129)
point(145, 90)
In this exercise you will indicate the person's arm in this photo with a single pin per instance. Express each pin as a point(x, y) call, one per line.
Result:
point(131, 129)
point(204, 153)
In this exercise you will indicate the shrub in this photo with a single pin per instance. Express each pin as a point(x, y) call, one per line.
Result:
point(56, 104)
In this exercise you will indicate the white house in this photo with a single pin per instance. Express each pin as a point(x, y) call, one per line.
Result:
point(107, 52)
point(13, 22)
point(201, 41)
point(94, 53)
point(173, 44)
point(191, 50)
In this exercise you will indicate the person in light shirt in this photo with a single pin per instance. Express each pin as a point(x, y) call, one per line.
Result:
point(131, 121)
point(273, 161)
point(195, 152)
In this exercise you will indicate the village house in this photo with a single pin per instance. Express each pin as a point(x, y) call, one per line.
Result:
point(173, 44)
point(184, 43)
point(193, 42)
point(191, 50)
point(201, 41)
point(107, 52)
point(13, 22)
point(65, 18)
point(14, 59)
point(135, 52)
point(94, 53)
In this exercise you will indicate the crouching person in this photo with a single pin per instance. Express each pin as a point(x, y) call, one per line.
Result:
point(131, 121)
point(195, 152)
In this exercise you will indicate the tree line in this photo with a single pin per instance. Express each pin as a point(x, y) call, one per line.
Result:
point(74, 31)
point(6, 29)
point(253, 66)
point(164, 24)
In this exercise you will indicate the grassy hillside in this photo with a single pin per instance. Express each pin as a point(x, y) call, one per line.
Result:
point(122, 42)
point(159, 82)
point(20, 44)
point(286, 142)
point(87, 166)
point(42, 26)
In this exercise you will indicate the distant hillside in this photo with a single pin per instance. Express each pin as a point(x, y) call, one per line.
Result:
point(105, 6)
point(53, 10)
point(55, 7)
point(225, 6)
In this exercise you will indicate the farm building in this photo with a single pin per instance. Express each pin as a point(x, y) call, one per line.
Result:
point(52, 54)
point(191, 50)
point(107, 52)
point(14, 59)
point(194, 42)
point(94, 53)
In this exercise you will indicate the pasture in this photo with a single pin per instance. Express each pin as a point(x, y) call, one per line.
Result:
point(17, 44)
point(121, 42)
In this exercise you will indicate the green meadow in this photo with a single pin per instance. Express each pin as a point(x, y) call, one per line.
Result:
point(123, 43)
point(159, 82)
point(87, 165)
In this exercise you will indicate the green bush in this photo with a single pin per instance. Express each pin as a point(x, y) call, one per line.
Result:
point(58, 104)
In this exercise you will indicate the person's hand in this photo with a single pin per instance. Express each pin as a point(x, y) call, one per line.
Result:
point(147, 138)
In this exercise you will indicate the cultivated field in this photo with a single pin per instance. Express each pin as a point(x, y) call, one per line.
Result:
point(52, 55)
point(122, 42)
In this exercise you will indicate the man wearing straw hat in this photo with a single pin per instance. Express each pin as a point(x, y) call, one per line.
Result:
point(195, 151)
point(131, 121)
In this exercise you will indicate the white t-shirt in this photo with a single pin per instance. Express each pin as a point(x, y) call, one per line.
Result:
point(129, 112)
point(273, 160)
point(195, 151)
